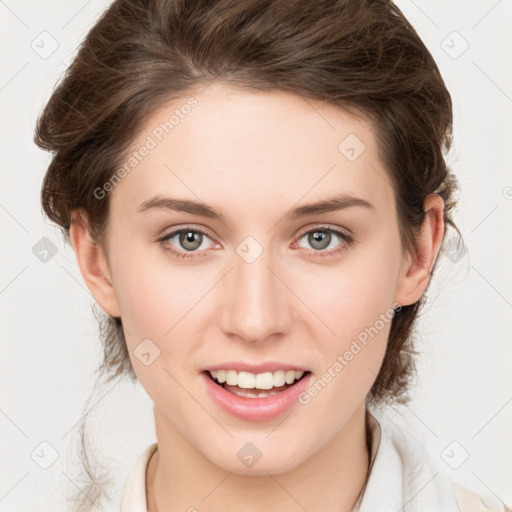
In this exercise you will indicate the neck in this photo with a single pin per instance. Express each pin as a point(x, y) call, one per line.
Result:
point(180, 478)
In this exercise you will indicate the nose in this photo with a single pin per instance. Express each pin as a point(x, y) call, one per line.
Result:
point(257, 303)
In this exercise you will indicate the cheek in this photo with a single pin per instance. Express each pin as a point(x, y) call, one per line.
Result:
point(156, 302)
point(359, 318)
point(152, 292)
point(352, 295)
point(353, 304)
point(356, 314)
point(154, 299)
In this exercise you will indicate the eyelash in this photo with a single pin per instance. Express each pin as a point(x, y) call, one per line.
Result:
point(347, 238)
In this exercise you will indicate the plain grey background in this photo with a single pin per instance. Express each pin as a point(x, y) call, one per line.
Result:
point(462, 405)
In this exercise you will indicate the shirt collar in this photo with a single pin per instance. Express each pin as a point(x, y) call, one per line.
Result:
point(134, 492)
point(401, 475)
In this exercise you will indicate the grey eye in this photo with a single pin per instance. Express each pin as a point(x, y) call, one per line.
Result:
point(190, 240)
point(319, 238)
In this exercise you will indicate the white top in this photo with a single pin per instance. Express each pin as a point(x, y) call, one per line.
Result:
point(402, 476)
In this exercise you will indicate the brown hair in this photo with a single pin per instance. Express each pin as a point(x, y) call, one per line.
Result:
point(361, 56)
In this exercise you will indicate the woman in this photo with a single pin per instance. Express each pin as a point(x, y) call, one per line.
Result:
point(257, 197)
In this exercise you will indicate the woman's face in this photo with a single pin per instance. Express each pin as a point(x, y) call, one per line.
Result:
point(267, 283)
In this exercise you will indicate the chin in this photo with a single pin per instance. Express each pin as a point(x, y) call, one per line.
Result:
point(251, 460)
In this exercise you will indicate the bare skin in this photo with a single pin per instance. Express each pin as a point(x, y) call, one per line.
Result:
point(255, 156)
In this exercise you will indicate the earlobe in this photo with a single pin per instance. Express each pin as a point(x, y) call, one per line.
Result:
point(417, 267)
point(92, 263)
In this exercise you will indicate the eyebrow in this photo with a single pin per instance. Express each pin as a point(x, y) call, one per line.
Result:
point(339, 202)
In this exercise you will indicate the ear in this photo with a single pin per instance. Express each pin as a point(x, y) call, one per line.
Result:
point(417, 267)
point(93, 264)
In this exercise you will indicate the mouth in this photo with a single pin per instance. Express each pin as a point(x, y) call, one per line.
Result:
point(260, 385)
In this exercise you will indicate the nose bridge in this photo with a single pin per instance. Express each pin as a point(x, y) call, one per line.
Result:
point(255, 305)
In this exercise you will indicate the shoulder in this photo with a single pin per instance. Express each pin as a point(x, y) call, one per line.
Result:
point(417, 468)
point(469, 501)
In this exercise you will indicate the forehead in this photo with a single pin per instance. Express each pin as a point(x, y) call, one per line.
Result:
point(229, 146)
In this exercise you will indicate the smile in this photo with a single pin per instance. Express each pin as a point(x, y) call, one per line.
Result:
point(255, 396)
point(251, 385)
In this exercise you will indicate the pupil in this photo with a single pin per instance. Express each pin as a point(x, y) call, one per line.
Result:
point(189, 237)
point(319, 237)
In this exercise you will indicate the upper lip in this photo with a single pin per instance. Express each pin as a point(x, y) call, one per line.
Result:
point(269, 366)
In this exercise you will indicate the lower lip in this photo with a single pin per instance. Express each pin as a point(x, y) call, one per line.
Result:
point(256, 409)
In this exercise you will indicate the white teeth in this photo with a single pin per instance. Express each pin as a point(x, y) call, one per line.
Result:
point(290, 376)
point(252, 393)
point(264, 380)
point(246, 380)
point(231, 377)
point(280, 378)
